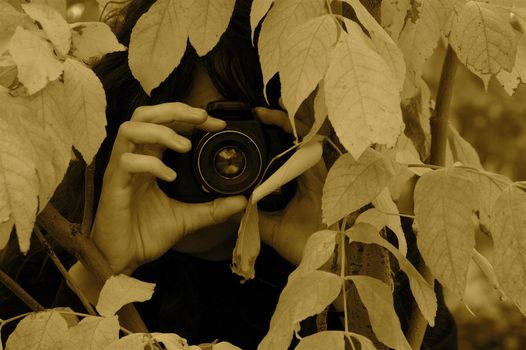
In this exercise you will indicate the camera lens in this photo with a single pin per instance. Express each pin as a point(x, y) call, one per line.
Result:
point(229, 162)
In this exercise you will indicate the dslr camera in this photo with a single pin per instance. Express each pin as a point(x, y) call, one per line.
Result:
point(232, 161)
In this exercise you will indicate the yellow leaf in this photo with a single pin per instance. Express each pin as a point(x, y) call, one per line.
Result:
point(318, 249)
point(258, 10)
point(511, 80)
point(92, 333)
point(385, 203)
point(41, 330)
point(157, 43)
point(361, 94)
point(93, 39)
point(393, 14)
point(333, 340)
point(248, 243)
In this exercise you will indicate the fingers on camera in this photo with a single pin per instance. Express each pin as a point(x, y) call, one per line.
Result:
point(132, 163)
point(138, 133)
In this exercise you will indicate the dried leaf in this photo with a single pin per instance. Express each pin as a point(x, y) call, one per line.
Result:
point(207, 21)
point(318, 249)
point(303, 61)
point(444, 201)
point(85, 108)
point(248, 243)
point(333, 340)
point(121, 290)
point(41, 330)
point(36, 63)
point(361, 94)
point(53, 24)
point(352, 184)
point(377, 298)
point(158, 42)
point(94, 39)
point(92, 333)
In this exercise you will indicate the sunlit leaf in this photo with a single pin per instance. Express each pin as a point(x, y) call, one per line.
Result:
point(361, 94)
point(93, 39)
point(121, 290)
point(304, 58)
point(41, 330)
point(207, 21)
point(53, 24)
point(422, 291)
point(302, 297)
point(508, 229)
point(333, 340)
point(248, 243)
point(352, 184)
point(85, 108)
point(378, 300)
point(36, 63)
point(92, 333)
point(258, 10)
point(157, 43)
point(444, 201)
point(318, 249)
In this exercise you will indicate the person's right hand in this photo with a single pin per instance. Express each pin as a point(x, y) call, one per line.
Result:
point(135, 221)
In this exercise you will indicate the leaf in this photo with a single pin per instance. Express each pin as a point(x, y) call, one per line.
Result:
point(58, 5)
point(462, 150)
point(302, 160)
point(36, 63)
point(8, 71)
point(365, 342)
point(333, 340)
point(377, 298)
point(258, 10)
point(373, 217)
point(248, 243)
point(53, 24)
point(303, 61)
point(19, 183)
point(444, 201)
point(384, 202)
point(207, 21)
point(121, 290)
point(277, 26)
point(10, 19)
point(484, 40)
point(41, 330)
point(157, 43)
point(422, 291)
point(6, 227)
point(320, 112)
point(393, 14)
point(318, 249)
point(224, 346)
point(171, 341)
point(94, 39)
point(508, 229)
point(361, 94)
point(352, 184)
point(302, 297)
point(135, 341)
point(510, 80)
point(85, 108)
point(406, 153)
point(92, 333)
point(382, 42)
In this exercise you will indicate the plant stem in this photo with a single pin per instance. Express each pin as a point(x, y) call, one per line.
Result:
point(51, 253)
point(89, 194)
point(19, 292)
point(439, 133)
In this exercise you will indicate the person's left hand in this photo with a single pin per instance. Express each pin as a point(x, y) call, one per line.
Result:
point(288, 230)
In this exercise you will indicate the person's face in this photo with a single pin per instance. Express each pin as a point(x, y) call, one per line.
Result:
point(204, 240)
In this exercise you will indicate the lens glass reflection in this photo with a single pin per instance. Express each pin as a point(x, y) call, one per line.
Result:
point(229, 162)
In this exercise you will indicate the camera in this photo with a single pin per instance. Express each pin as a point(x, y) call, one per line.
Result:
point(232, 161)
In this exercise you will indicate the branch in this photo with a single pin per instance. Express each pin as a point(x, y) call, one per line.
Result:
point(439, 132)
point(19, 292)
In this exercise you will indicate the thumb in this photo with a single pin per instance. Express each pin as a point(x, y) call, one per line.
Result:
point(217, 211)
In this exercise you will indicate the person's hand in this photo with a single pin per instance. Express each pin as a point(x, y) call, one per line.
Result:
point(287, 231)
point(135, 221)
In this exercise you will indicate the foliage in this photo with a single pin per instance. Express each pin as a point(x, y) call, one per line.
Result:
point(366, 78)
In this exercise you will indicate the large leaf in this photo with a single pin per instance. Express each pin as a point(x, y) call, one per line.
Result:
point(508, 229)
point(378, 300)
point(38, 331)
point(92, 333)
point(248, 243)
point(19, 183)
point(444, 201)
point(302, 297)
point(53, 24)
point(334, 340)
point(422, 291)
point(85, 108)
point(352, 184)
point(304, 58)
point(483, 39)
point(258, 10)
point(157, 43)
point(277, 26)
point(36, 63)
point(318, 249)
point(94, 39)
point(361, 94)
point(207, 21)
point(121, 290)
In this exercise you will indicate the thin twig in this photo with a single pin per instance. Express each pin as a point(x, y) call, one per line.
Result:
point(51, 253)
point(19, 292)
point(439, 133)
point(89, 195)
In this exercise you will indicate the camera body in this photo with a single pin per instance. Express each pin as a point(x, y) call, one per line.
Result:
point(230, 162)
